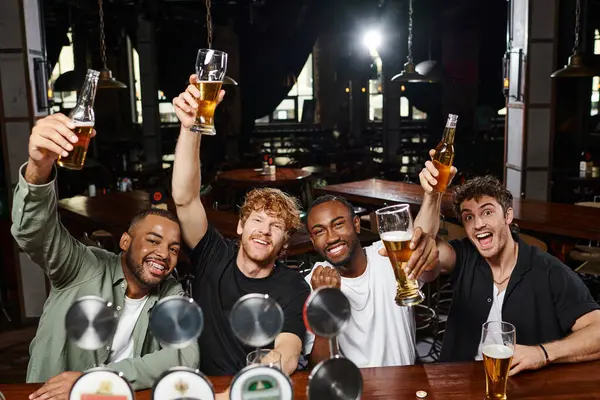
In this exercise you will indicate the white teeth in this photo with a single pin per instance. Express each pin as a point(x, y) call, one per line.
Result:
point(483, 235)
point(336, 249)
point(260, 241)
point(156, 266)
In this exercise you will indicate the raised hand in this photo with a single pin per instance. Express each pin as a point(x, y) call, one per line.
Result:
point(325, 277)
point(428, 175)
point(51, 137)
point(186, 103)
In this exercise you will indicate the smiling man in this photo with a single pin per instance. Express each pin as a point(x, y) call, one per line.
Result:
point(226, 270)
point(379, 333)
point(133, 281)
point(498, 277)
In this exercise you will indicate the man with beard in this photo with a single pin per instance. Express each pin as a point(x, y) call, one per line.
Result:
point(496, 276)
point(380, 333)
point(132, 281)
point(226, 270)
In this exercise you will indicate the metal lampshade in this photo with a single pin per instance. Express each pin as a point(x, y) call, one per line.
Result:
point(107, 81)
point(575, 68)
point(70, 81)
point(430, 69)
point(409, 73)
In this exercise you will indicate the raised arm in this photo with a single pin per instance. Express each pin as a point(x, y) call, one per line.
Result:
point(428, 218)
point(186, 169)
point(36, 227)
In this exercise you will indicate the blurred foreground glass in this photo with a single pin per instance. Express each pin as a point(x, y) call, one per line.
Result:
point(267, 357)
point(497, 346)
point(84, 119)
point(396, 230)
point(211, 66)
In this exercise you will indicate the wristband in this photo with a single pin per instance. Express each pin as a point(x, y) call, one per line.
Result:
point(545, 353)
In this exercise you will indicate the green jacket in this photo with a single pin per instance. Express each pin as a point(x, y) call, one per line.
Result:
point(76, 270)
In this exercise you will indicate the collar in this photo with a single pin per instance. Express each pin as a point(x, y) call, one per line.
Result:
point(523, 264)
point(118, 276)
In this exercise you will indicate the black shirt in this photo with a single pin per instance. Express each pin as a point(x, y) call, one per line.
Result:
point(543, 299)
point(219, 283)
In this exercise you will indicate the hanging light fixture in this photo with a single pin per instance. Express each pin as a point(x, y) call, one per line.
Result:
point(576, 67)
point(106, 80)
point(409, 74)
point(209, 36)
point(430, 68)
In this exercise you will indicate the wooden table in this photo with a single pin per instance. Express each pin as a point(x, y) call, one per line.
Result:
point(250, 177)
point(462, 381)
point(113, 212)
point(539, 216)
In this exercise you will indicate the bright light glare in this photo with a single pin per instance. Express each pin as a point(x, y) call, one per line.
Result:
point(372, 39)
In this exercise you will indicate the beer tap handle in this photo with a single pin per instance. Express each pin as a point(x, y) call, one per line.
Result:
point(334, 348)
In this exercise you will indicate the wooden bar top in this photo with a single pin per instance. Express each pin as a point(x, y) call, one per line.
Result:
point(462, 381)
point(255, 177)
point(539, 216)
point(113, 212)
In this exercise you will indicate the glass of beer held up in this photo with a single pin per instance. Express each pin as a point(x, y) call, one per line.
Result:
point(396, 230)
point(211, 66)
point(84, 119)
point(497, 346)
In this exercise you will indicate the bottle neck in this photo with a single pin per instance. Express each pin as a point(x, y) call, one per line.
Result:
point(448, 136)
point(88, 92)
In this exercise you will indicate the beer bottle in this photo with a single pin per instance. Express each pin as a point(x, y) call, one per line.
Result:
point(444, 154)
point(84, 119)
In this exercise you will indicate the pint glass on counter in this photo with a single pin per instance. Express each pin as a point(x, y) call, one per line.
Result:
point(497, 347)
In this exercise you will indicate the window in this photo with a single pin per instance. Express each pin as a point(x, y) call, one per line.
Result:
point(596, 80)
point(165, 107)
point(375, 89)
point(291, 108)
point(66, 63)
point(137, 87)
point(404, 107)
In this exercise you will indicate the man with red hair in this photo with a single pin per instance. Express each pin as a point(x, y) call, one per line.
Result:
point(226, 270)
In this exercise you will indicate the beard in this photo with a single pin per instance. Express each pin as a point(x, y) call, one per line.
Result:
point(139, 272)
point(264, 258)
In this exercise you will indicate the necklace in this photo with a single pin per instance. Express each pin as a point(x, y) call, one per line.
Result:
point(502, 281)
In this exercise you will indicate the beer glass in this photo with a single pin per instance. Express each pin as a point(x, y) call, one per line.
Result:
point(268, 357)
point(211, 66)
point(497, 346)
point(396, 230)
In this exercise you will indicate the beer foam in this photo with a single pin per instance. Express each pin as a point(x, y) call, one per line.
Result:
point(497, 351)
point(79, 124)
point(396, 236)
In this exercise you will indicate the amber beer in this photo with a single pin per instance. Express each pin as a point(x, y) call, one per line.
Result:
point(398, 249)
point(496, 361)
point(444, 154)
point(207, 102)
point(76, 158)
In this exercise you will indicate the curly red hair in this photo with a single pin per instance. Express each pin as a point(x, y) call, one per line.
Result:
point(275, 203)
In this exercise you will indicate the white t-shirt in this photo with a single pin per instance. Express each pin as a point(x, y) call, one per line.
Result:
point(122, 345)
point(494, 315)
point(379, 333)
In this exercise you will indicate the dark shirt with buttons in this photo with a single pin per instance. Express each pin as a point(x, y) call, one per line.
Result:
point(543, 299)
